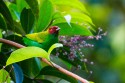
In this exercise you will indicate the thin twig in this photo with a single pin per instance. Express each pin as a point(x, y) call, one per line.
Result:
point(8, 73)
point(44, 60)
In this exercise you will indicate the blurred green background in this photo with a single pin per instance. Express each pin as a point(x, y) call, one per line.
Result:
point(108, 54)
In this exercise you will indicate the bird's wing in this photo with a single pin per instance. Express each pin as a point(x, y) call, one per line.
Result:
point(39, 37)
point(30, 42)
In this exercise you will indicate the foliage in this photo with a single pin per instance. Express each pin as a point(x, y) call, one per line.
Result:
point(4, 76)
point(108, 53)
point(21, 17)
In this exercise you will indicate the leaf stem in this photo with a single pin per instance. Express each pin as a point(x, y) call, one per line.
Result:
point(46, 61)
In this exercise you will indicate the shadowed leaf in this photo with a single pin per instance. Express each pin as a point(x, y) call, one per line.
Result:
point(6, 14)
point(34, 7)
point(27, 20)
point(18, 73)
point(2, 23)
point(53, 72)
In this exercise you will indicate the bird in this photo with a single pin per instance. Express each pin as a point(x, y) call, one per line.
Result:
point(44, 39)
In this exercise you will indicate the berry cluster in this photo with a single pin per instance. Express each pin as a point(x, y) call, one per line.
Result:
point(74, 45)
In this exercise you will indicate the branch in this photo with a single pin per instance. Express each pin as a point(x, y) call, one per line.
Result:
point(11, 43)
point(44, 60)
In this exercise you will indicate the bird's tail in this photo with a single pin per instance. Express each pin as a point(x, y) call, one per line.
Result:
point(20, 35)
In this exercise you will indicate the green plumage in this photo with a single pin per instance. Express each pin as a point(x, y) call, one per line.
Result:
point(42, 39)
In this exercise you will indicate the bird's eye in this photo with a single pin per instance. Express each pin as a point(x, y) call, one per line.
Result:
point(51, 29)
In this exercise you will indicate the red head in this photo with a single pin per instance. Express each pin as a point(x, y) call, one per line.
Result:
point(54, 29)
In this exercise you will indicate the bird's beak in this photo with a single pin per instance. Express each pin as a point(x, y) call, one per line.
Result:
point(57, 29)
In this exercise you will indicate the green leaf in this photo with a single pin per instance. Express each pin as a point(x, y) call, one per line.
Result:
point(31, 67)
point(18, 73)
point(74, 30)
point(77, 12)
point(30, 52)
point(91, 82)
point(75, 17)
point(68, 65)
point(13, 25)
point(7, 15)
point(18, 28)
point(54, 72)
point(54, 46)
point(70, 5)
point(21, 4)
point(45, 15)
point(14, 11)
point(34, 7)
point(26, 53)
point(42, 80)
point(2, 23)
point(27, 20)
point(4, 76)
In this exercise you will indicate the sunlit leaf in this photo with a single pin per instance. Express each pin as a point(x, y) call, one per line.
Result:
point(54, 46)
point(91, 82)
point(21, 4)
point(77, 21)
point(4, 76)
point(45, 15)
point(26, 53)
point(30, 52)
point(76, 11)
point(74, 30)
point(78, 16)
point(62, 5)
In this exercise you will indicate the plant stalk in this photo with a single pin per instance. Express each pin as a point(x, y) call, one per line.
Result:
point(46, 61)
